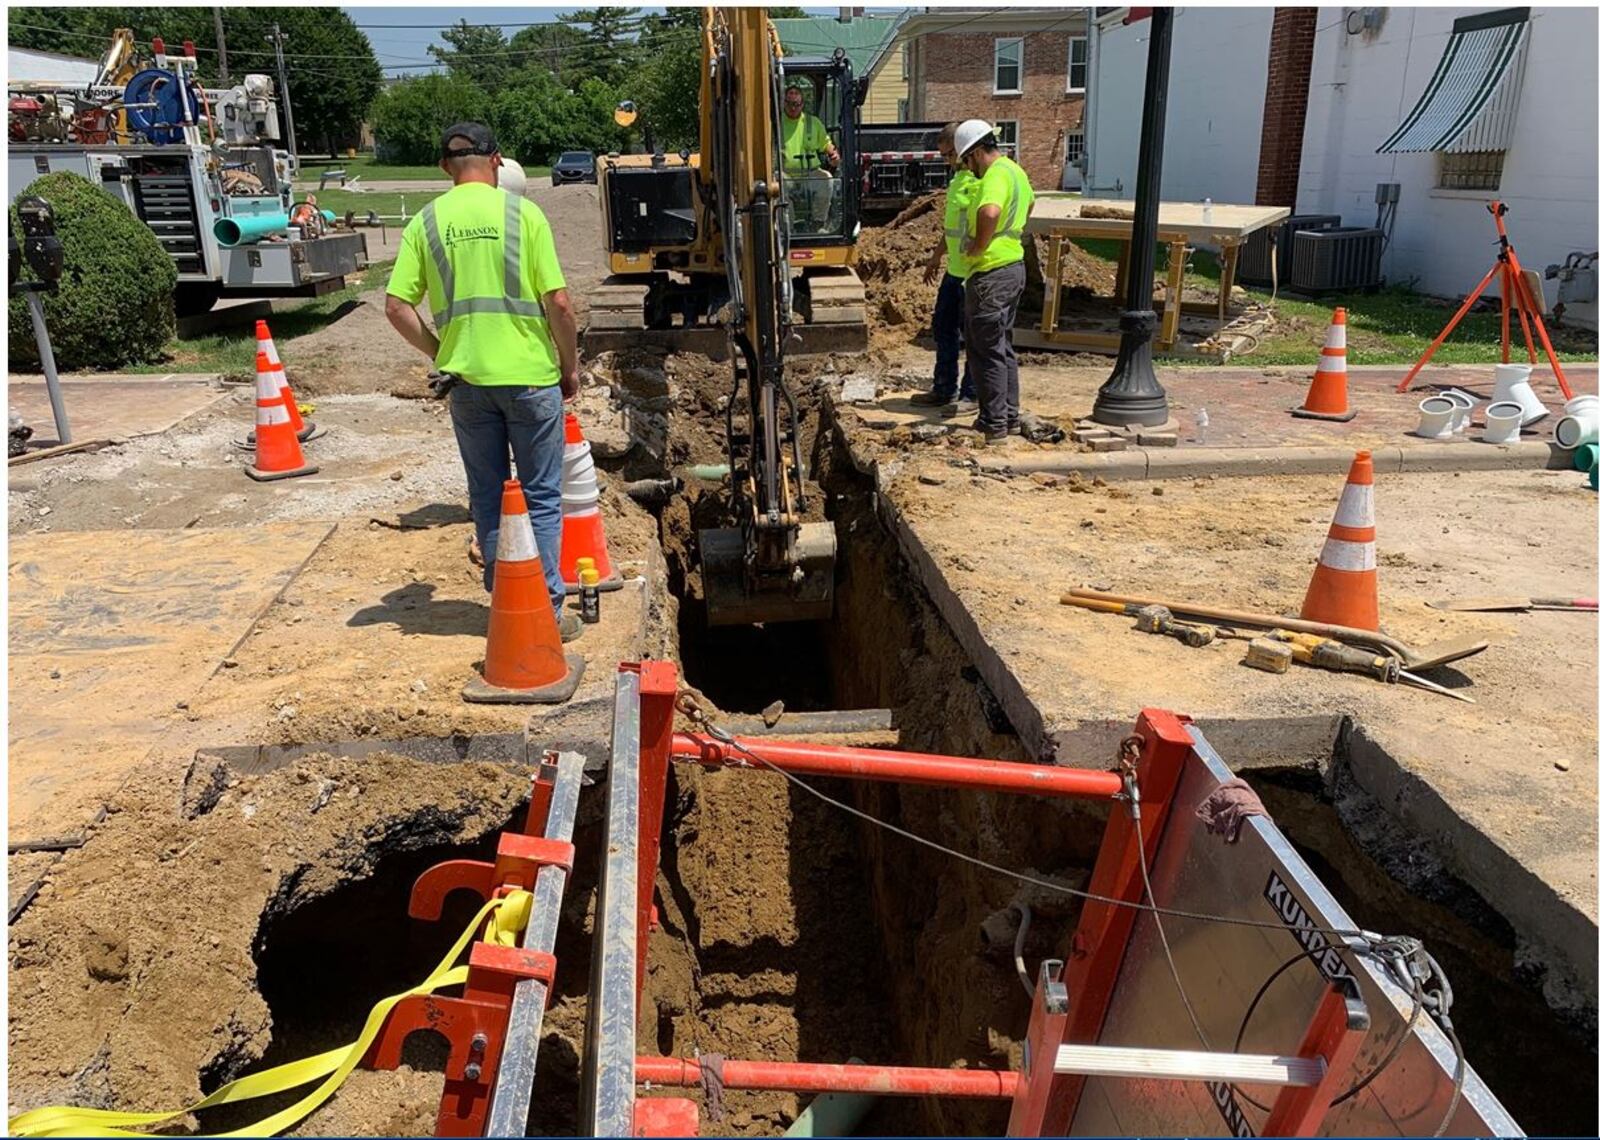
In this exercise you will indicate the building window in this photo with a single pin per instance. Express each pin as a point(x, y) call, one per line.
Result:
point(1075, 148)
point(1077, 63)
point(903, 110)
point(1008, 67)
point(1479, 171)
point(1005, 133)
point(905, 60)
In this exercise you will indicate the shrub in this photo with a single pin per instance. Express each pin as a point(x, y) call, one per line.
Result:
point(409, 116)
point(114, 306)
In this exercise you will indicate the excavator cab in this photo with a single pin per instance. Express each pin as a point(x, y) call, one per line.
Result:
point(823, 196)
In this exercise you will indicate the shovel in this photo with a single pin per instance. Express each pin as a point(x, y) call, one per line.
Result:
point(1576, 605)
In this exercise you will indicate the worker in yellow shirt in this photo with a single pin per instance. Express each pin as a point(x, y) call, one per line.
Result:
point(947, 307)
point(485, 259)
point(996, 218)
point(808, 159)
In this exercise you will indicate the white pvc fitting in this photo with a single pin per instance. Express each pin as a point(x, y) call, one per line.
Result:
point(1511, 383)
point(1578, 403)
point(1437, 414)
point(1575, 429)
point(1462, 416)
point(1502, 422)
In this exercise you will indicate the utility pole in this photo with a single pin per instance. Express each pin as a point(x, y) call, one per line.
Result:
point(277, 38)
point(1133, 395)
point(222, 47)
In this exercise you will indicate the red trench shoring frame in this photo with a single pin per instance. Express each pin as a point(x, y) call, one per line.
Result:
point(1044, 1104)
point(475, 1023)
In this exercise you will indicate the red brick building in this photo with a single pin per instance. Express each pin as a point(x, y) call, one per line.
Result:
point(1023, 69)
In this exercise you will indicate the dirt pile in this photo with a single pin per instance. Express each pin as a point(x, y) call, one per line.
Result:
point(133, 977)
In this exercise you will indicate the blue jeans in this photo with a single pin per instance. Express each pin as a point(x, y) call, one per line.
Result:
point(947, 322)
point(493, 425)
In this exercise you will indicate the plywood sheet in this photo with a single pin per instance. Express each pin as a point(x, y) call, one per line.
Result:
point(1227, 221)
point(108, 632)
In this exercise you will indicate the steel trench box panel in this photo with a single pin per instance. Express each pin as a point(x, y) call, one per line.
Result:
point(1260, 878)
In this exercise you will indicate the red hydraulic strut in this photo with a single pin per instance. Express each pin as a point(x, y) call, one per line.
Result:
point(795, 1076)
point(898, 767)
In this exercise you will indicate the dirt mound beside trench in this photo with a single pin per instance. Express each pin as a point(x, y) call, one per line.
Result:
point(900, 303)
point(133, 976)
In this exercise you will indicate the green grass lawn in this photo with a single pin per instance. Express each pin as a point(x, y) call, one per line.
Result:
point(1391, 326)
point(386, 202)
point(371, 171)
point(232, 351)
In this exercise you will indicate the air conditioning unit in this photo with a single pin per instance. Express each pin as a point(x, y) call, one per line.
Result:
point(1337, 260)
point(1255, 259)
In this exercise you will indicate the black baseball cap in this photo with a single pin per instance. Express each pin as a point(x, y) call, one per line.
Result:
point(480, 136)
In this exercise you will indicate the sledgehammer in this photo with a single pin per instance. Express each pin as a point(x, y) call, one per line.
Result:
point(1151, 619)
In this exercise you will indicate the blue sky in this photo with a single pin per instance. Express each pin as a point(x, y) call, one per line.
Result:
point(401, 36)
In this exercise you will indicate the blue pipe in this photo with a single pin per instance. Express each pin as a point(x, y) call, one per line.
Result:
point(246, 231)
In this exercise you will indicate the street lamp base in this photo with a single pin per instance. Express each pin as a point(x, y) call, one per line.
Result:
point(1132, 396)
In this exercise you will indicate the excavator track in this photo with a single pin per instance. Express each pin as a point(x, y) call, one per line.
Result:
point(830, 301)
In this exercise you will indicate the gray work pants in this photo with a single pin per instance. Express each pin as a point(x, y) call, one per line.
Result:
point(991, 310)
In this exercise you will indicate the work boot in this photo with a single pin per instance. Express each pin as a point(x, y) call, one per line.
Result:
point(571, 626)
point(931, 400)
point(990, 432)
point(960, 408)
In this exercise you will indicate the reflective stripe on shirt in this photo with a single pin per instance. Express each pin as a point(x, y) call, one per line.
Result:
point(512, 303)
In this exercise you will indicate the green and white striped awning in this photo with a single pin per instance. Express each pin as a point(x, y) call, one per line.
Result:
point(1470, 104)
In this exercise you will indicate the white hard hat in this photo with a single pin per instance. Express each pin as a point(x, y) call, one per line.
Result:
point(512, 177)
point(969, 134)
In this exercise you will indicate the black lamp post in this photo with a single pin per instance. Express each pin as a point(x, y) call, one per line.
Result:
point(1133, 395)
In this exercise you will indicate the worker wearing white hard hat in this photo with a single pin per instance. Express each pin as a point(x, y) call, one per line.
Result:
point(995, 220)
point(512, 177)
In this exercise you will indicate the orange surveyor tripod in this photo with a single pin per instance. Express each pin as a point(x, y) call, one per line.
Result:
point(1509, 270)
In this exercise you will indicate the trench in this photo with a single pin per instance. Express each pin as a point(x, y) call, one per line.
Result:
point(789, 930)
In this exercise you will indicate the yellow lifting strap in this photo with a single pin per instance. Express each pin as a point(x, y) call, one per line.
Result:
point(506, 919)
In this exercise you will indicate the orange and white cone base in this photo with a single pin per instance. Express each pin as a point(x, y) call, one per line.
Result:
point(1344, 586)
point(583, 533)
point(303, 429)
point(278, 454)
point(1329, 395)
point(523, 662)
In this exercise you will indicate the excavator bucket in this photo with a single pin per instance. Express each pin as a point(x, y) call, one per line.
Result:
point(735, 596)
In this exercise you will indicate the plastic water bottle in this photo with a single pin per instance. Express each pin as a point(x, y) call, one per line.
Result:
point(1205, 212)
point(1201, 422)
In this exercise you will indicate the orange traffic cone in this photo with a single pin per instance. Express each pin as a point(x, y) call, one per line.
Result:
point(278, 454)
point(583, 535)
point(304, 429)
point(524, 662)
point(1344, 586)
point(1329, 397)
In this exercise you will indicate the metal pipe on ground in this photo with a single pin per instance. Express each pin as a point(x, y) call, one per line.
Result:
point(1423, 658)
point(796, 1076)
point(898, 767)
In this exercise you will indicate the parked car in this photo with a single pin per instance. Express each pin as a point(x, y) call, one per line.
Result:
point(574, 166)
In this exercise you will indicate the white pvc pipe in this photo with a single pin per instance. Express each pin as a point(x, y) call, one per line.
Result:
point(1511, 383)
point(1578, 403)
point(1575, 429)
point(1502, 422)
point(1461, 417)
point(1437, 415)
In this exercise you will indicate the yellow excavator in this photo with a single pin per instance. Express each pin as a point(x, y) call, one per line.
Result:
point(721, 243)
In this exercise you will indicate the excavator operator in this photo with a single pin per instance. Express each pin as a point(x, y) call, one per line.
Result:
point(808, 158)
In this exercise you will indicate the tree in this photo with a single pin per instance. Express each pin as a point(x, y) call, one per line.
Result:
point(538, 118)
point(114, 304)
point(333, 73)
point(610, 49)
point(667, 93)
point(408, 118)
point(786, 13)
point(476, 52)
point(550, 47)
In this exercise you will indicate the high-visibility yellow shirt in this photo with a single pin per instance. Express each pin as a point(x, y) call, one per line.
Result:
point(957, 201)
point(1005, 185)
point(805, 144)
point(484, 258)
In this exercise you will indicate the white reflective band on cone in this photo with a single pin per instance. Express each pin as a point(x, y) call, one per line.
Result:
point(269, 414)
point(1355, 506)
point(1335, 338)
point(1340, 555)
point(516, 543)
point(583, 512)
point(1326, 363)
point(266, 386)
